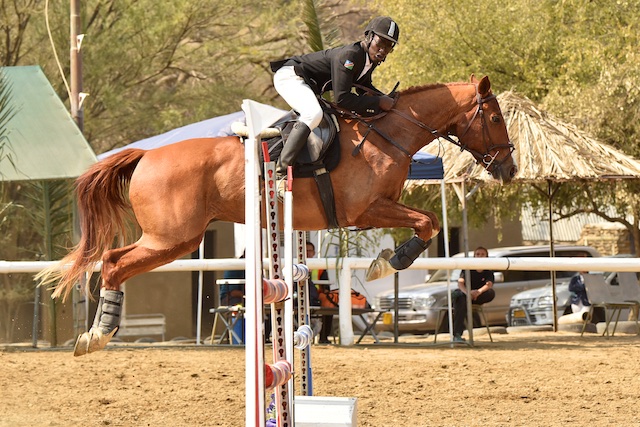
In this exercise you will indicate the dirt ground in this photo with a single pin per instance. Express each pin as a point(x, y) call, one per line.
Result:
point(522, 379)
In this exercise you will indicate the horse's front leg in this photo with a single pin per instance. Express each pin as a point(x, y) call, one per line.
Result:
point(385, 213)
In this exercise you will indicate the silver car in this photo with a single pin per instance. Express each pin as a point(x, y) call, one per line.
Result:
point(535, 306)
point(422, 305)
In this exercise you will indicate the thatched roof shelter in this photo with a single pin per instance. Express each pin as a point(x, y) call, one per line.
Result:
point(546, 150)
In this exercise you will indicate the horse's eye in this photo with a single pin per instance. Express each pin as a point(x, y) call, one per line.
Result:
point(495, 119)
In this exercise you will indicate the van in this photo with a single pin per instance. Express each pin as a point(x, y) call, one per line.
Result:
point(422, 305)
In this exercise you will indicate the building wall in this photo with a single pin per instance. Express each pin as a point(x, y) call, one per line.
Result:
point(608, 238)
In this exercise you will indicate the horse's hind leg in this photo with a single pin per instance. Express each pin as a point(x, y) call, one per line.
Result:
point(119, 265)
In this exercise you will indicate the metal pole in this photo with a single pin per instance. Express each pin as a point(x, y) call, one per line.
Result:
point(447, 253)
point(467, 278)
point(552, 254)
point(75, 65)
point(396, 310)
point(36, 317)
point(200, 292)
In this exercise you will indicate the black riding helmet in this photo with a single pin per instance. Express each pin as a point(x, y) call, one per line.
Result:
point(384, 27)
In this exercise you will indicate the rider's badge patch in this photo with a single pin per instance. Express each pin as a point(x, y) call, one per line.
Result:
point(348, 64)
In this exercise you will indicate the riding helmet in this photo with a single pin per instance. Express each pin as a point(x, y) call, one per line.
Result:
point(384, 27)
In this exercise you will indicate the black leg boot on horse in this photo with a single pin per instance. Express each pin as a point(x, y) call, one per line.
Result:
point(388, 262)
point(105, 324)
point(294, 143)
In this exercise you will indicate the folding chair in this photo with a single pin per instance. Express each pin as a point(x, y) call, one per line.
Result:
point(609, 297)
point(229, 316)
point(475, 308)
point(479, 308)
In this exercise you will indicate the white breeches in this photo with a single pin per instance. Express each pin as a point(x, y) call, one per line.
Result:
point(298, 95)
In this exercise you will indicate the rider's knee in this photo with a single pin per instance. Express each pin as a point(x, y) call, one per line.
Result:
point(312, 117)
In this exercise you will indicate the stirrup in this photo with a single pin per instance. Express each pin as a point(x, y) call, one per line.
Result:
point(281, 186)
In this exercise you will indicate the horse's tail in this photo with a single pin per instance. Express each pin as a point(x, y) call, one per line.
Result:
point(103, 207)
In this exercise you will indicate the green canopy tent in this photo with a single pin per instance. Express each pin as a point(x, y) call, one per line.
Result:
point(41, 142)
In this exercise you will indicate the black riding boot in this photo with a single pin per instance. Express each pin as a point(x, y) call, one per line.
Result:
point(295, 142)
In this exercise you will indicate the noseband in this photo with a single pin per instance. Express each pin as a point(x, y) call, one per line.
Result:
point(488, 161)
point(486, 158)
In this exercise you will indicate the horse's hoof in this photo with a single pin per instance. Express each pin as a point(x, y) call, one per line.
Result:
point(380, 267)
point(91, 341)
point(434, 233)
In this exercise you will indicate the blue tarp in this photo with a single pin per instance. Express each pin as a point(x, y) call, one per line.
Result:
point(425, 166)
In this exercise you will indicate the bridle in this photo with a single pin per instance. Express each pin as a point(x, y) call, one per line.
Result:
point(488, 161)
point(486, 158)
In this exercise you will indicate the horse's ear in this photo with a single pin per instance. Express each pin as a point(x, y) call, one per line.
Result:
point(473, 78)
point(484, 86)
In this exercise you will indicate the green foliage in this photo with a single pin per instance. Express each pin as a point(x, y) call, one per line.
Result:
point(321, 31)
point(7, 111)
point(153, 66)
point(15, 289)
point(51, 215)
point(578, 59)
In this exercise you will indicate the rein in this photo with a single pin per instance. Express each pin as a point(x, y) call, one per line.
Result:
point(486, 158)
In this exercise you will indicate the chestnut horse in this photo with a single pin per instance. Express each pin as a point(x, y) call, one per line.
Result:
point(176, 190)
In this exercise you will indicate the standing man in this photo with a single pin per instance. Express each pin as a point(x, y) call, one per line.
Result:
point(300, 79)
point(481, 293)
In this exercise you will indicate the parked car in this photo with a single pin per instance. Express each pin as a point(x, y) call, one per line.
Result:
point(421, 305)
point(535, 306)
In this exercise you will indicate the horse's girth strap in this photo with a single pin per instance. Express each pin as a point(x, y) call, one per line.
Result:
point(325, 188)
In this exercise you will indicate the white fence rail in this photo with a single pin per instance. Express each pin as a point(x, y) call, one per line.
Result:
point(498, 264)
point(349, 264)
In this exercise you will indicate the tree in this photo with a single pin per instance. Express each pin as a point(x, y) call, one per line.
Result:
point(577, 59)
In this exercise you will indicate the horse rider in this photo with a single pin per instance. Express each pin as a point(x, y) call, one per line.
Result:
point(300, 79)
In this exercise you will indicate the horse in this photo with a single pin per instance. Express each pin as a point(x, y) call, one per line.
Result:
point(175, 191)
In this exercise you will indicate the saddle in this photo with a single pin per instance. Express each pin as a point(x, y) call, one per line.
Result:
point(321, 150)
point(320, 155)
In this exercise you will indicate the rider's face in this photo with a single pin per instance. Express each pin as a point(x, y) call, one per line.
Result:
point(379, 48)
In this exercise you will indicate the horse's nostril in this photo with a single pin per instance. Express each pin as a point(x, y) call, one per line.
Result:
point(513, 171)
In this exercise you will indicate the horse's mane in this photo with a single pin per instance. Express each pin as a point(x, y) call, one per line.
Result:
point(414, 89)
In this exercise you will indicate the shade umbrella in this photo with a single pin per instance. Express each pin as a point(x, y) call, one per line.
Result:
point(548, 153)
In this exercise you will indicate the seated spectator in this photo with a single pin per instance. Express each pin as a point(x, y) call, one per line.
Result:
point(481, 293)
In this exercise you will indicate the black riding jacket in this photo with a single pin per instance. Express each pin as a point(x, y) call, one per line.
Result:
point(341, 66)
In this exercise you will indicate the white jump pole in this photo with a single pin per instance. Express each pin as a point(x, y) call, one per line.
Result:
point(288, 275)
point(281, 311)
point(254, 347)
